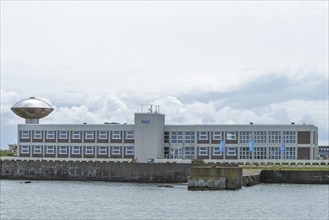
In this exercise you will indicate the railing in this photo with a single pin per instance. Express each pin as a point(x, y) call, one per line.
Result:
point(53, 159)
point(173, 161)
point(273, 162)
point(185, 161)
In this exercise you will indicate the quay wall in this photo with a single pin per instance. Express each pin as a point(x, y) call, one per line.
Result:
point(139, 172)
point(295, 176)
point(90, 170)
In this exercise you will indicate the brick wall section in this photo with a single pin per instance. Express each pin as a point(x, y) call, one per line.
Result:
point(304, 137)
point(303, 153)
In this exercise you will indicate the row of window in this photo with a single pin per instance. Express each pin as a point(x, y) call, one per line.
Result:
point(268, 153)
point(176, 136)
point(77, 134)
point(244, 136)
point(230, 151)
point(88, 150)
point(189, 152)
point(244, 153)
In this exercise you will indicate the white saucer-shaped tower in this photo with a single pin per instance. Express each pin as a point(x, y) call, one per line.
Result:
point(32, 109)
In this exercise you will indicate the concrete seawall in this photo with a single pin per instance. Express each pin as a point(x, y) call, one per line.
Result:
point(140, 172)
point(295, 176)
point(104, 171)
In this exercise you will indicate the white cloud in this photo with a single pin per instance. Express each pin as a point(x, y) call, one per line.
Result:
point(202, 62)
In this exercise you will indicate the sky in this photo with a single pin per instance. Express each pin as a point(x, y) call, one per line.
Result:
point(214, 62)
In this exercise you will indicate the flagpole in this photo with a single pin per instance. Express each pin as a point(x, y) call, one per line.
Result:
point(251, 150)
point(222, 148)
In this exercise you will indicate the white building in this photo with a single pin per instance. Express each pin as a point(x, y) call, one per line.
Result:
point(149, 138)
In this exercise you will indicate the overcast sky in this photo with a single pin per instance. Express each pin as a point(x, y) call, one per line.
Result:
point(202, 62)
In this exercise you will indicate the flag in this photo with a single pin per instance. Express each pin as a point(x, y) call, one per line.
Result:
point(251, 145)
point(282, 148)
point(221, 146)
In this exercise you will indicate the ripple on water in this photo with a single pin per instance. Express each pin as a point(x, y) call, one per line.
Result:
point(105, 200)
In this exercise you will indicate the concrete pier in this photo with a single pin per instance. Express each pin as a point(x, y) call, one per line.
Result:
point(214, 178)
point(124, 171)
point(251, 177)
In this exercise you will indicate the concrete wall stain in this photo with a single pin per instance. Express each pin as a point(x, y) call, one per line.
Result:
point(139, 172)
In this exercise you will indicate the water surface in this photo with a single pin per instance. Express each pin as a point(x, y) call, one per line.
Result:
point(106, 200)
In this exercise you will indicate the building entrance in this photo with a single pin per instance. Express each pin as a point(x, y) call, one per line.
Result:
point(176, 153)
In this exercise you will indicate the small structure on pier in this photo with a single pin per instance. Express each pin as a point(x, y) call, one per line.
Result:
point(215, 178)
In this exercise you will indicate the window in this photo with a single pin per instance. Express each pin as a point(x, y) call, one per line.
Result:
point(25, 149)
point(217, 135)
point(62, 149)
point(203, 151)
point(203, 135)
point(231, 151)
point(174, 137)
point(289, 137)
point(89, 134)
point(50, 149)
point(102, 135)
point(166, 137)
point(260, 137)
point(37, 149)
point(189, 152)
point(188, 137)
point(245, 136)
point(130, 135)
point(76, 150)
point(50, 134)
point(274, 153)
point(37, 134)
point(176, 153)
point(102, 150)
point(290, 153)
point(116, 150)
point(179, 137)
point(76, 135)
point(245, 153)
point(89, 150)
point(116, 135)
point(216, 151)
point(129, 150)
point(166, 152)
point(274, 137)
point(231, 135)
point(62, 134)
point(25, 134)
point(260, 153)
point(192, 137)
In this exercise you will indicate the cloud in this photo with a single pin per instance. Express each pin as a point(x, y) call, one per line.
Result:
point(202, 62)
point(269, 87)
point(102, 107)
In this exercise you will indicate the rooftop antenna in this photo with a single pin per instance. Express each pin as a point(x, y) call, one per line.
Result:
point(157, 108)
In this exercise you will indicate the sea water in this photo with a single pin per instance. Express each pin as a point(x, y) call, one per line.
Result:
point(108, 200)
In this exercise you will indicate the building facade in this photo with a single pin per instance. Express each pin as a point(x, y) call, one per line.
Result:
point(149, 138)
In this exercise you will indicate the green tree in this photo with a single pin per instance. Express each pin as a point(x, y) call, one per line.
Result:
point(13, 148)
